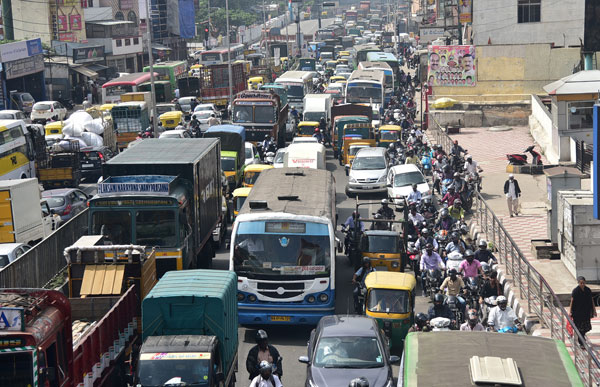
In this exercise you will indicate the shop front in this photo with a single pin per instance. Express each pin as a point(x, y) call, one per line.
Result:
point(22, 71)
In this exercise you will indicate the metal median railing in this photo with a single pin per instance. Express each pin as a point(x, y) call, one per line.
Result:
point(532, 286)
point(40, 264)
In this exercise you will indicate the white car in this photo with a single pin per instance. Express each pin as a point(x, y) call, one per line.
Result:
point(202, 116)
point(175, 133)
point(298, 140)
point(46, 110)
point(400, 180)
point(252, 156)
point(278, 160)
point(13, 115)
point(207, 107)
point(368, 171)
point(11, 251)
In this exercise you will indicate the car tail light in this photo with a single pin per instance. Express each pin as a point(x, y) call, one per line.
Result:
point(67, 210)
point(101, 156)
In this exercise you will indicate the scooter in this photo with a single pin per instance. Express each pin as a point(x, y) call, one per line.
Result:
point(521, 159)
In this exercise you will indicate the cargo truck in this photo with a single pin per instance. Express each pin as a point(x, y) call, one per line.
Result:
point(214, 83)
point(190, 330)
point(261, 113)
point(233, 154)
point(165, 193)
point(21, 217)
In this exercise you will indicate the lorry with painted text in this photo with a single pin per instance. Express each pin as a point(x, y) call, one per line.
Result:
point(261, 113)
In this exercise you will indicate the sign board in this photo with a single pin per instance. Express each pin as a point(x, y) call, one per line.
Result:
point(136, 185)
point(20, 50)
point(25, 66)
point(12, 319)
point(430, 34)
point(464, 11)
point(451, 66)
point(88, 54)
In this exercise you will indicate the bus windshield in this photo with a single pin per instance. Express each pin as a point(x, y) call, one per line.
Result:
point(363, 93)
point(289, 253)
point(295, 91)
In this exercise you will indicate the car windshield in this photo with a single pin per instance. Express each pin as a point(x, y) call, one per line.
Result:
point(170, 135)
point(389, 135)
point(353, 150)
point(26, 97)
point(185, 100)
point(388, 301)
point(42, 106)
point(288, 253)
point(408, 178)
point(55, 201)
point(348, 352)
point(202, 115)
point(368, 163)
point(177, 372)
point(380, 244)
point(228, 164)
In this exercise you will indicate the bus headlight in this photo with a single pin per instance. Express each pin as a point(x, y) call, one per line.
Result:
point(323, 297)
point(310, 299)
point(252, 298)
point(240, 297)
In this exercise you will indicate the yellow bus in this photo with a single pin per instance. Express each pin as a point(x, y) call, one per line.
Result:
point(16, 151)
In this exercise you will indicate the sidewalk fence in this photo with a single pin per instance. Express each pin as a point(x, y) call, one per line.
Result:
point(533, 288)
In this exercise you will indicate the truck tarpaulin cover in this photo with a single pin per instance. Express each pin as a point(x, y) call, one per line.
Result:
point(180, 15)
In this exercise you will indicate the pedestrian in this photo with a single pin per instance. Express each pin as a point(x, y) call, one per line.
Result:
point(512, 192)
point(582, 308)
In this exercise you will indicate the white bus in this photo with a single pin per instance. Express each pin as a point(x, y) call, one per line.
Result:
point(389, 76)
point(299, 83)
point(16, 153)
point(366, 87)
point(218, 55)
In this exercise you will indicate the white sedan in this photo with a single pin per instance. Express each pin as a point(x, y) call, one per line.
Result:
point(400, 180)
point(47, 110)
point(175, 133)
point(11, 251)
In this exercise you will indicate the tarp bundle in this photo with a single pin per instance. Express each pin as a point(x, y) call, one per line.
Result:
point(82, 127)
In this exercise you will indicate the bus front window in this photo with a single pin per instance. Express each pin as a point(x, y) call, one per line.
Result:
point(264, 114)
point(114, 225)
point(295, 92)
point(363, 94)
point(156, 228)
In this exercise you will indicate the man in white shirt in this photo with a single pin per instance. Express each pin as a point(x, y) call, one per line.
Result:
point(502, 316)
point(266, 378)
point(512, 192)
point(415, 195)
point(471, 167)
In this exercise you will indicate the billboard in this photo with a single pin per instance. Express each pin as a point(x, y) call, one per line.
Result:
point(181, 18)
point(464, 11)
point(88, 54)
point(451, 66)
point(430, 34)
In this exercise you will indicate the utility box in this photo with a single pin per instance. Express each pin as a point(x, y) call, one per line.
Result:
point(578, 234)
point(559, 179)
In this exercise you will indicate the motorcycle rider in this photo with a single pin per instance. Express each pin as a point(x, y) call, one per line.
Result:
point(213, 120)
point(439, 309)
point(470, 267)
point(472, 324)
point(420, 324)
point(349, 226)
point(459, 183)
point(195, 126)
point(359, 277)
point(415, 195)
point(391, 152)
point(445, 222)
point(450, 196)
point(318, 135)
point(456, 211)
point(483, 254)
point(266, 143)
point(453, 285)
point(457, 149)
point(430, 260)
point(266, 378)
point(379, 225)
point(491, 288)
point(260, 352)
point(385, 210)
point(425, 239)
point(502, 317)
point(456, 244)
point(294, 114)
point(411, 158)
point(471, 166)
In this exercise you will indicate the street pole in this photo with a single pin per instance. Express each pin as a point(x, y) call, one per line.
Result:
point(151, 64)
point(298, 32)
point(287, 38)
point(207, 40)
point(265, 30)
point(229, 53)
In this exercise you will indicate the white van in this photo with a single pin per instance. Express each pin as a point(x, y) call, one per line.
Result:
point(317, 106)
point(305, 155)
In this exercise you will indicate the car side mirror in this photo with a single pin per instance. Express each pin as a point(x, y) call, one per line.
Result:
point(49, 374)
point(390, 186)
point(304, 359)
point(394, 359)
point(347, 169)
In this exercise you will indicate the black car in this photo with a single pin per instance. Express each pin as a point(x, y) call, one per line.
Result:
point(92, 160)
point(342, 348)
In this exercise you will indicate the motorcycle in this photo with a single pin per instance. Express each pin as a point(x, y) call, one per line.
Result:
point(426, 165)
point(269, 157)
point(456, 308)
point(413, 257)
point(433, 280)
point(359, 302)
point(473, 289)
point(521, 159)
point(351, 243)
point(453, 260)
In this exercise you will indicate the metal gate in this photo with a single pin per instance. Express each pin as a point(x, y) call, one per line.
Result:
point(584, 154)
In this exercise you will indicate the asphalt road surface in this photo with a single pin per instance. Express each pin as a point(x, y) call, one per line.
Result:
point(291, 341)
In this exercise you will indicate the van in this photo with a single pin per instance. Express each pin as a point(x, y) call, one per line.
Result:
point(317, 106)
point(368, 171)
point(307, 155)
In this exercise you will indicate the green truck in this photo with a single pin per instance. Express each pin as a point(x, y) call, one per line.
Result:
point(190, 330)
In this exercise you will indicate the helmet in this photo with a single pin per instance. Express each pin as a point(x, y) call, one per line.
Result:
point(469, 157)
point(392, 146)
point(469, 253)
point(424, 231)
point(429, 246)
point(293, 107)
point(384, 201)
point(454, 235)
point(438, 298)
point(414, 185)
point(265, 367)
point(421, 318)
point(482, 243)
point(485, 267)
point(316, 130)
point(444, 212)
point(212, 115)
point(501, 300)
point(366, 260)
point(359, 382)
point(452, 272)
point(456, 174)
point(266, 137)
point(261, 335)
point(458, 201)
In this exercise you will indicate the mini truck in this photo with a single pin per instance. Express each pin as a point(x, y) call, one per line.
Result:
point(163, 193)
point(233, 153)
point(190, 330)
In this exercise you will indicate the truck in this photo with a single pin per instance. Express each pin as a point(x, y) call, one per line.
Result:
point(233, 153)
point(21, 217)
point(317, 106)
point(190, 330)
point(165, 193)
point(214, 83)
point(129, 119)
point(139, 96)
point(60, 166)
point(305, 155)
point(86, 338)
point(261, 113)
point(109, 135)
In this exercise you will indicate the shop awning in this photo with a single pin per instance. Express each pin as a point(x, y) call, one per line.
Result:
point(96, 67)
point(83, 70)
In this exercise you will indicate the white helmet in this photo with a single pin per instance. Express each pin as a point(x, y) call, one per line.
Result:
point(501, 299)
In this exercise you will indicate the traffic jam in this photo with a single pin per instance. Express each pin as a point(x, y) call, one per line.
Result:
point(255, 215)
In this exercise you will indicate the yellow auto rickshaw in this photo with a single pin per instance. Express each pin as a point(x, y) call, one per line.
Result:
point(337, 79)
point(330, 64)
point(342, 54)
point(388, 134)
point(307, 128)
point(239, 197)
point(254, 83)
point(352, 146)
point(172, 119)
point(251, 173)
point(54, 128)
point(390, 300)
point(383, 248)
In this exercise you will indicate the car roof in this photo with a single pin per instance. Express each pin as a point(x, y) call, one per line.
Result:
point(10, 111)
point(371, 151)
point(403, 168)
point(56, 192)
point(6, 248)
point(45, 102)
point(347, 325)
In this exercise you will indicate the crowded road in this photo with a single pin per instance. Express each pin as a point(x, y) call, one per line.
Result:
point(291, 340)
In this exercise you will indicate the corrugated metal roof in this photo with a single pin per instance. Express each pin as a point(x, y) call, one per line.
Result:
point(211, 283)
point(165, 150)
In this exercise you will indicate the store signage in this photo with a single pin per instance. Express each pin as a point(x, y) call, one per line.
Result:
point(88, 54)
point(25, 66)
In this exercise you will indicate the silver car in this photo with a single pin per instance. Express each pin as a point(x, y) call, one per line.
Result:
point(368, 171)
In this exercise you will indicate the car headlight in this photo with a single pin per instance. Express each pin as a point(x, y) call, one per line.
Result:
point(381, 179)
point(310, 299)
point(252, 298)
point(352, 180)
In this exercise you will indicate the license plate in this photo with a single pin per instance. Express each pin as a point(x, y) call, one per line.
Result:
point(281, 318)
point(368, 187)
point(87, 165)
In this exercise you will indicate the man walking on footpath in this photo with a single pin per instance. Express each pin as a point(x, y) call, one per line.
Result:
point(512, 192)
point(582, 308)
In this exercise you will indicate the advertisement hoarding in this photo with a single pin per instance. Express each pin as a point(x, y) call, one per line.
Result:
point(451, 66)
